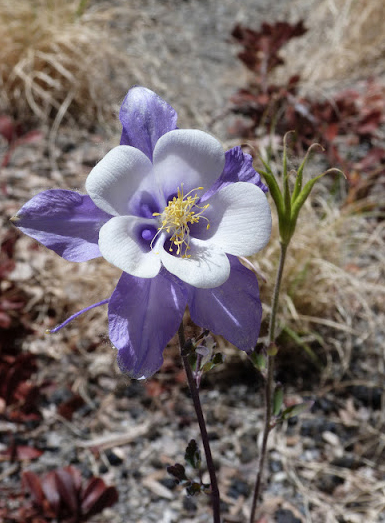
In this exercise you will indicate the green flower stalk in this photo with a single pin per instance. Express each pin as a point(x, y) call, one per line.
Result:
point(288, 205)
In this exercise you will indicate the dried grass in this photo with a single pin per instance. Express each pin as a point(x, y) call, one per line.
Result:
point(333, 276)
point(55, 62)
point(345, 41)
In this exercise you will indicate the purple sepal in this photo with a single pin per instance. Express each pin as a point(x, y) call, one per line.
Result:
point(65, 221)
point(144, 314)
point(145, 117)
point(232, 310)
point(238, 168)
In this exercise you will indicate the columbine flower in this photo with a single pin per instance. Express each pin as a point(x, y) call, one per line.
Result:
point(173, 211)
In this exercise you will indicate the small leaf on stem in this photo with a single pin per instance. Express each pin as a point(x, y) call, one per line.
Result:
point(296, 410)
point(277, 399)
point(193, 455)
point(178, 471)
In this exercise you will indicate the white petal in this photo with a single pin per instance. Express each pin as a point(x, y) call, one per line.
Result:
point(117, 178)
point(189, 156)
point(240, 219)
point(207, 268)
point(119, 245)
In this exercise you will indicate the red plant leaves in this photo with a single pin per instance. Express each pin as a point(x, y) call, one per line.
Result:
point(14, 371)
point(97, 496)
point(60, 494)
point(349, 119)
point(67, 408)
point(19, 394)
point(31, 482)
point(68, 484)
point(260, 48)
point(20, 453)
point(12, 298)
point(15, 135)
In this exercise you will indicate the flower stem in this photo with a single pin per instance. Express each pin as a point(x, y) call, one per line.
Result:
point(215, 498)
point(277, 287)
point(268, 383)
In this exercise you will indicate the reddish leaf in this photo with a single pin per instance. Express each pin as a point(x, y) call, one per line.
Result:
point(97, 496)
point(21, 452)
point(331, 131)
point(261, 48)
point(67, 408)
point(14, 371)
point(51, 492)
point(25, 452)
point(31, 482)
point(67, 482)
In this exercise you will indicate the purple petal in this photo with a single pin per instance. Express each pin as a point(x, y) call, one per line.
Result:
point(145, 117)
point(144, 314)
point(232, 310)
point(64, 221)
point(238, 168)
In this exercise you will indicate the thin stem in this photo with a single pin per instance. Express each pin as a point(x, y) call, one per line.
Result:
point(215, 498)
point(268, 383)
point(277, 287)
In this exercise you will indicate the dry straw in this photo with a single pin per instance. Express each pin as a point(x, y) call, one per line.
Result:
point(55, 62)
point(345, 41)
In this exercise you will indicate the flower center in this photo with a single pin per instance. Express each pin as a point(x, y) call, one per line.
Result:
point(176, 218)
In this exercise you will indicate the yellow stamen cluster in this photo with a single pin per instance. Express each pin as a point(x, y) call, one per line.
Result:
point(176, 218)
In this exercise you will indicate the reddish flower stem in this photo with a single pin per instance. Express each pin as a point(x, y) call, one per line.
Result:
point(215, 497)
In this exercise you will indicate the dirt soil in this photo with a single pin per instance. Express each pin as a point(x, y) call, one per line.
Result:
point(325, 466)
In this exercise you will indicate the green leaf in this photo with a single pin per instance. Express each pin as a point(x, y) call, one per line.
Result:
point(277, 399)
point(296, 410)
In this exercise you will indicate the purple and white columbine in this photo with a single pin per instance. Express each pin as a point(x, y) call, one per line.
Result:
point(173, 211)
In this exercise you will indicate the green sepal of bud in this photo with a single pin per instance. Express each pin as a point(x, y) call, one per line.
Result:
point(300, 199)
point(273, 186)
point(272, 349)
point(194, 488)
point(258, 360)
point(288, 205)
point(299, 177)
point(217, 359)
point(286, 188)
point(277, 399)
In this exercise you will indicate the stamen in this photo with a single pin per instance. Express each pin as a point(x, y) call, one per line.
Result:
point(176, 218)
